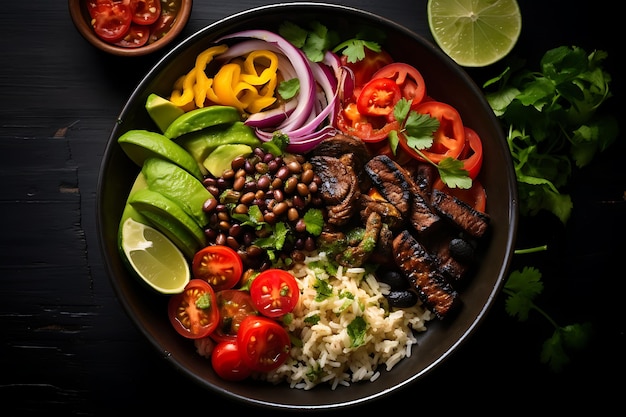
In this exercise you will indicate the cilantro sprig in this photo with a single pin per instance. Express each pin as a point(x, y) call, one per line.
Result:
point(522, 288)
point(418, 130)
point(318, 39)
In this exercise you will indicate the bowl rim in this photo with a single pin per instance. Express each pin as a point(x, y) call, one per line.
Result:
point(79, 18)
point(512, 212)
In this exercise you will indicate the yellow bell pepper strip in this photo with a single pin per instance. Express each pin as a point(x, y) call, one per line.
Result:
point(246, 83)
point(193, 86)
point(250, 74)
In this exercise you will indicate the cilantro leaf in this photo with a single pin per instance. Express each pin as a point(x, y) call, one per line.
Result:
point(323, 289)
point(288, 89)
point(418, 130)
point(556, 351)
point(354, 49)
point(356, 331)
point(314, 43)
point(314, 221)
point(453, 174)
point(522, 287)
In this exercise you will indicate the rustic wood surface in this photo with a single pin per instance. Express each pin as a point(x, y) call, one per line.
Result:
point(67, 345)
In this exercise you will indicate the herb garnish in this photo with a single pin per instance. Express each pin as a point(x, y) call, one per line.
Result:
point(522, 287)
point(553, 124)
point(551, 119)
point(418, 130)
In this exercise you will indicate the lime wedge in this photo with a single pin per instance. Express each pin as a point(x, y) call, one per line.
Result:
point(154, 258)
point(170, 219)
point(475, 33)
point(140, 145)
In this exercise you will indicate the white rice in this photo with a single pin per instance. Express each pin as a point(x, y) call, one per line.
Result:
point(326, 354)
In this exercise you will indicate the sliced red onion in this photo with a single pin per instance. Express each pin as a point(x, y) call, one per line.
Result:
point(301, 66)
point(309, 118)
point(272, 117)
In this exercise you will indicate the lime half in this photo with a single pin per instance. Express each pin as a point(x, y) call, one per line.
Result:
point(475, 33)
point(155, 259)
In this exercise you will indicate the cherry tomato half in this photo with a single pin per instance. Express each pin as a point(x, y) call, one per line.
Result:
point(228, 363)
point(472, 155)
point(136, 36)
point(366, 67)
point(476, 196)
point(218, 265)
point(234, 306)
point(110, 20)
point(378, 97)
point(145, 12)
point(408, 78)
point(193, 312)
point(368, 129)
point(449, 139)
point(274, 292)
point(263, 343)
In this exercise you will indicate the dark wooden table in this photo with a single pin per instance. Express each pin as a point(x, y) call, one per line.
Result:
point(67, 345)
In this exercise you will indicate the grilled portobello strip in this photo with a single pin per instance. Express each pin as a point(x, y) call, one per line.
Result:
point(390, 182)
point(341, 145)
point(420, 268)
point(470, 220)
point(397, 186)
point(340, 186)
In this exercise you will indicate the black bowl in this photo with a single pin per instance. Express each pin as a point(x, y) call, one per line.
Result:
point(446, 81)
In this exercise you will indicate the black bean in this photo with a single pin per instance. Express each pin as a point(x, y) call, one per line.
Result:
point(228, 174)
point(263, 183)
point(220, 239)
point(238, 163)
point(283, 173)
point(241, 209)
point(254, 250)
point(307, 176)
point(278, 194)
point(395, 280)
point(294, 167)
point(291, 185)
point(261, 168)
point(239, 183)
point(462, 250)
point(401, 299)
point(280, 208)
point(301, 226)
point(303, 189)
point(209, 205)
point(247, 198)
point(235, 230)
point(213, 190)
point(232, 242)
point(292, 214)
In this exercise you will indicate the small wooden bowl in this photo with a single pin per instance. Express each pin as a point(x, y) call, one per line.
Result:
point(82, 21)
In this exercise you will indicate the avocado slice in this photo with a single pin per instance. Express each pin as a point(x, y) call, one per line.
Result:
point(201, 118)
point(162, 111)
point(201, 143)
point(220, 159)
point(178, 185)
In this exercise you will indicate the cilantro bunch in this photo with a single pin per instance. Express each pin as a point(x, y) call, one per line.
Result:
point(553, 123)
